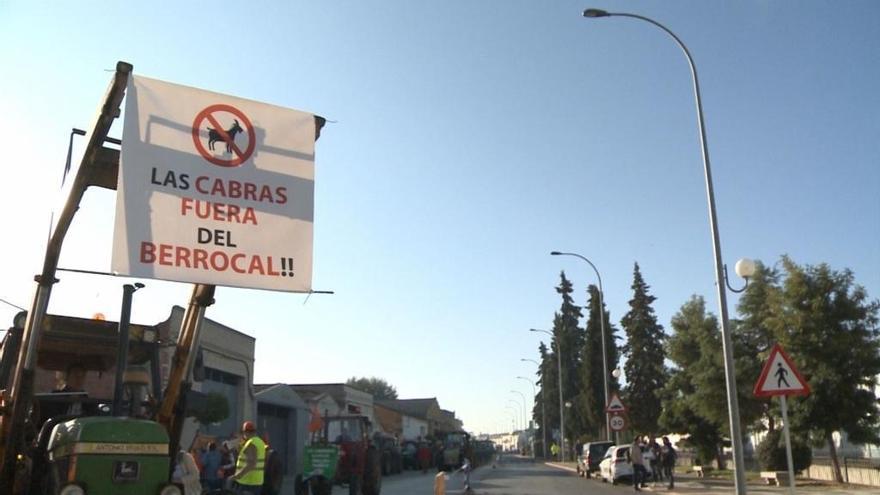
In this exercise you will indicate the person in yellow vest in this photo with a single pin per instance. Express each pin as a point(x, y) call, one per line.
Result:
point(248, 475)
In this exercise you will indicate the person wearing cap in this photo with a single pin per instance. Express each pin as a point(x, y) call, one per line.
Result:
point(251, 460)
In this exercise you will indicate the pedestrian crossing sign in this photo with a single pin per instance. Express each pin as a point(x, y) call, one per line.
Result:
point(780, 377)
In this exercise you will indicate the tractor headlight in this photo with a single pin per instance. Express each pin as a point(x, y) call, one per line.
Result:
point(72, 489)
point(170, 490)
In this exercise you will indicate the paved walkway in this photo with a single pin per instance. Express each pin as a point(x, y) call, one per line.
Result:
point(691, 485)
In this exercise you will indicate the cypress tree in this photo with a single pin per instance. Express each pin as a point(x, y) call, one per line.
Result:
point(591, 400)
point(645, 368)
point(568, 335)
point(694, 399)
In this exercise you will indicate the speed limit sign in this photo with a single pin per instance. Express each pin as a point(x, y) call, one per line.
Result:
point(618, 423)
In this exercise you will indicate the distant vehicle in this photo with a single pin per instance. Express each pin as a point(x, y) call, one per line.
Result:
point(592, 454)
point(456, 446)
point(392, 460)
point(408, 455)
point(341, 454)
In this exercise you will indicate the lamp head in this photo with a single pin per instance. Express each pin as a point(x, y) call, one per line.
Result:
point(745, 268)
point(555, 253)
point(594, 13)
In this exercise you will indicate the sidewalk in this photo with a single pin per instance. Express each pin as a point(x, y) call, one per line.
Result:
point(692, 485)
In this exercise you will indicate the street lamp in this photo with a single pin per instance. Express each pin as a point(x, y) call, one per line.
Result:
point(535, 394)
point(521, 408)
point(515, 413)
point(561, 410)
point(543, 410)
point(602, 327)
point(525, 421)
point(729, 371)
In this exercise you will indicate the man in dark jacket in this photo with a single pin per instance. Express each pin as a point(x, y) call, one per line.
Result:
point(273, 471)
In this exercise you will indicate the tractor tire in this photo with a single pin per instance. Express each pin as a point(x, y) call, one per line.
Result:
point(320, 486)
point(372, 482)
point(300, 487)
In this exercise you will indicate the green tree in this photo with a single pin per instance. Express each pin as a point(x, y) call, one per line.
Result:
point(591, 398)
point(694, 399)
point(546, 385)
point(216, 409)
point(377, 387)
point(828, 326)
point(568, 335)
point(752, 338)
point(645, 368)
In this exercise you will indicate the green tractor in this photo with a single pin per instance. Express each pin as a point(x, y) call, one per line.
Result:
point(74, 444)
point(107, 455)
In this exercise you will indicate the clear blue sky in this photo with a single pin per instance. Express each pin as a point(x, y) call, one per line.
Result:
point(471, 139)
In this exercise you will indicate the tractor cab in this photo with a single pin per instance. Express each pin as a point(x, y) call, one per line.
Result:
point(83, 437)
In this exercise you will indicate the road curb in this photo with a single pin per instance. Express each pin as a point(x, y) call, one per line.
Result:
point(559, 466)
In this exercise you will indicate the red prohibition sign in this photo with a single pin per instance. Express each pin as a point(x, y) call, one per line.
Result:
point(225, 137)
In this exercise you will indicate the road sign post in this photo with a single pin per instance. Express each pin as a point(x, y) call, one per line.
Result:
point(780, 377)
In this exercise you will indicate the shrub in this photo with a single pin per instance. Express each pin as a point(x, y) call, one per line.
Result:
point(216, 409)
point(771, 453)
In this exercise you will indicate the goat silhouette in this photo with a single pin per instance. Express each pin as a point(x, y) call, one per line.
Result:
point(215, 135)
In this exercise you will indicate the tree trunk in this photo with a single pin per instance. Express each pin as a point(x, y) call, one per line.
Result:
point(835, 463)
point(719, 457)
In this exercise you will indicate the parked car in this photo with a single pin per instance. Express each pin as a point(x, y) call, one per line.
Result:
point(615, 464)
point(591, 454)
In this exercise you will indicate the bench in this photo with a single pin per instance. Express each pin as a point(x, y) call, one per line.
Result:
point(702, 470)
point(779, 478)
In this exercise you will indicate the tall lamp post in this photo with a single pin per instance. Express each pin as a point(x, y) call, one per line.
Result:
point(729, 372)
point(543, 410)
point(602, 327)
point(561, 410)
point(515, 414)
point(520, 411)
point(525, 421)
point(512, 422)
point(535, 394)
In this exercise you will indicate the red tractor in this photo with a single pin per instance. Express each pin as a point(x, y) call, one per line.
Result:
point(341, 454)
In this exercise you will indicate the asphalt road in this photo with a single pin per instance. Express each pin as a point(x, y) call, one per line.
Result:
point(514, 476)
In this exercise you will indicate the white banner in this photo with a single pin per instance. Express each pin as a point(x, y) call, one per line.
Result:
point(214, 189)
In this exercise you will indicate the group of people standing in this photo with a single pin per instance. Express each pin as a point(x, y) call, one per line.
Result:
point(660, 457)
point(253, 469)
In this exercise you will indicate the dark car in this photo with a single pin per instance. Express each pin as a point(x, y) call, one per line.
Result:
point(588, 461)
